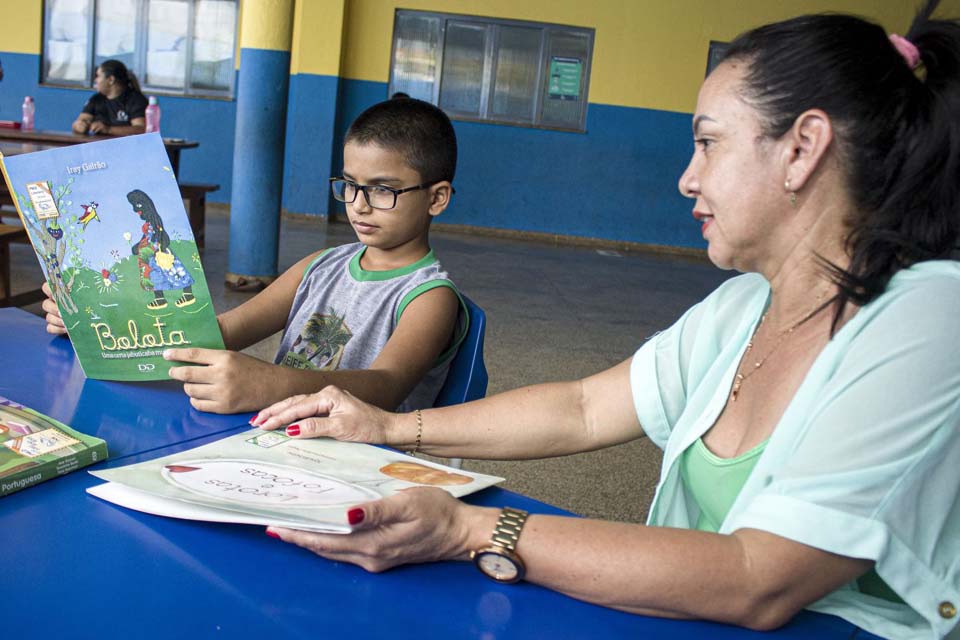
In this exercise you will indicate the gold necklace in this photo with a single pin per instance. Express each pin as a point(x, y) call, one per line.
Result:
point(741, 377)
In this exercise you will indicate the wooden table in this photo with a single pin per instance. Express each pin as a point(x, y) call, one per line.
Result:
point(16, 141)
point(14, 233)
point(65, 138)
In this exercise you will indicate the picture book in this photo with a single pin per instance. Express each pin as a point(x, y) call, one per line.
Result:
point(108, 226)
point(35, 447)
point(266, 478)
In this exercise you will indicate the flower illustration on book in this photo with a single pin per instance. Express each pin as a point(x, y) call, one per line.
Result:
point(109, 281)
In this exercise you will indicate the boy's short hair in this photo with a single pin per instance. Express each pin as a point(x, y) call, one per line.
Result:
point(419, 131)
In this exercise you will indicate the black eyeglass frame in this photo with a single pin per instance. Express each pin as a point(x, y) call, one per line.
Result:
point(363, 187)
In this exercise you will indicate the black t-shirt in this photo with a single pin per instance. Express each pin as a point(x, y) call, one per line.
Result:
point(121, 110)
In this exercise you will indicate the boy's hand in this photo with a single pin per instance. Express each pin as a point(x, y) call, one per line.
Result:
point(229, 382)
point(331, 412)
point(54, 320)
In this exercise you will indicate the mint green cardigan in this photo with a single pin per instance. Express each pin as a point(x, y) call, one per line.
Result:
point(864, 462)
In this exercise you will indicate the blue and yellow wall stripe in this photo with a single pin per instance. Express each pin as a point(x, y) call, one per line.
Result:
point(265, 37)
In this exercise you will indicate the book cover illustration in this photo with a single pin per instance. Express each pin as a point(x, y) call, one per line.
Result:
point(108, 226)
point(35, 447)
point(264, 477)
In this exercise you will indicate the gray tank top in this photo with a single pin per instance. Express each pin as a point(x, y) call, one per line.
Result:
point(342, 316)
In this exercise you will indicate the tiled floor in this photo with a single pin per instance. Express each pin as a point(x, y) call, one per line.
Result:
point(554, 313)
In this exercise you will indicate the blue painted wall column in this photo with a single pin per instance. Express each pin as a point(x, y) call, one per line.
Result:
point(265, 36)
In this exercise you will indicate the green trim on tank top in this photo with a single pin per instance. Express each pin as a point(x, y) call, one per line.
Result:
point(315, 261)
point(462, 328)
point(717, 461)
point(362, 275)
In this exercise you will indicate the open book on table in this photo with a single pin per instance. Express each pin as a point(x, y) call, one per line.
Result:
point(264, 477)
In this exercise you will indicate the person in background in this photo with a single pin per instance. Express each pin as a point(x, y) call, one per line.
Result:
point(809, 409)
point(118, 107)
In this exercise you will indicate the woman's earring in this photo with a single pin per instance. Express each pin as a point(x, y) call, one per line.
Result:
point(793, 194)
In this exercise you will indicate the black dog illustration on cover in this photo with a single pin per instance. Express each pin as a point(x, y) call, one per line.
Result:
point(160, 269)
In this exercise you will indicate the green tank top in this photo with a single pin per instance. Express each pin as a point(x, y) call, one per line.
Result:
point(714, 483)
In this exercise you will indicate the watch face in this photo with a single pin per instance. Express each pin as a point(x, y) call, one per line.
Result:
point(498, 567)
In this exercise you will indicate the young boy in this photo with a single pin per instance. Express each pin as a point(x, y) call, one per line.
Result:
point(380, 317)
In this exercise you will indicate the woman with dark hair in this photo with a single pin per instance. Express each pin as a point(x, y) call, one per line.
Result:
point(118, 107)
point(160, 269)
point(808, 409)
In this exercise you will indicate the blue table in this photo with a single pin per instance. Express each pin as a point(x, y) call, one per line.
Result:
point(41, 372)
point(74, 566)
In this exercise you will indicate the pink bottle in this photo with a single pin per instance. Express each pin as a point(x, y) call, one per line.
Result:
point(29, 109)
point(153, 115)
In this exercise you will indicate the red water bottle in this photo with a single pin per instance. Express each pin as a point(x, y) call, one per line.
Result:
point(29, 109)
point(153, 115)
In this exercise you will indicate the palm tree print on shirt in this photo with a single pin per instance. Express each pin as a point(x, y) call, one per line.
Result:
point(320, 344)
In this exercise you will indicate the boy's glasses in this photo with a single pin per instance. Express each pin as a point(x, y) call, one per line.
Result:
point(378, 196)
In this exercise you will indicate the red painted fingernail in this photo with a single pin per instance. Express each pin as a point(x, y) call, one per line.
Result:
point(355, 516)
point(273, 534)
point(254, 418)
point(293, 430)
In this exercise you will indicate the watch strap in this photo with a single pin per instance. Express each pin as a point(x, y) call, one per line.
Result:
point(509, 525)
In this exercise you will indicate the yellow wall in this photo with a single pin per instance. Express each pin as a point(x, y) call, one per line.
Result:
point(647, 53)
point(20, 26)
point(318, 37)
point(266, 24)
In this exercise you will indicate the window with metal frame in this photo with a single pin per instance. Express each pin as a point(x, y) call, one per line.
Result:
point(181, 47)
point(493, 70)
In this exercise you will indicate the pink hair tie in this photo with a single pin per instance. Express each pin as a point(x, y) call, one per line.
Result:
point(906, 49)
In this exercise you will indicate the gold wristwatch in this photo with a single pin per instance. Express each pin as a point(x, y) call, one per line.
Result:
point(500, 560)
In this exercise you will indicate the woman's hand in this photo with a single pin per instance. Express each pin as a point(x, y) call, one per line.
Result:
point(99, 128)
point(331, 412)
point(82, 124)
point(55, 323)
point(414, 526)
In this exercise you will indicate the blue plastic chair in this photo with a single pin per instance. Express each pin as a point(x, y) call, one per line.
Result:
point(467, 377)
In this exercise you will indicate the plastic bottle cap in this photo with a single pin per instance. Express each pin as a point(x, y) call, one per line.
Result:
point(28, 99)
point(152, 100)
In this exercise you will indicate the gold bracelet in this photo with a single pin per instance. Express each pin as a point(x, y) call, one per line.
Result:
point(416, 446)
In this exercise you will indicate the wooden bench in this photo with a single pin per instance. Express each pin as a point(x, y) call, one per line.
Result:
point(11, 233)
point(196, 197)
